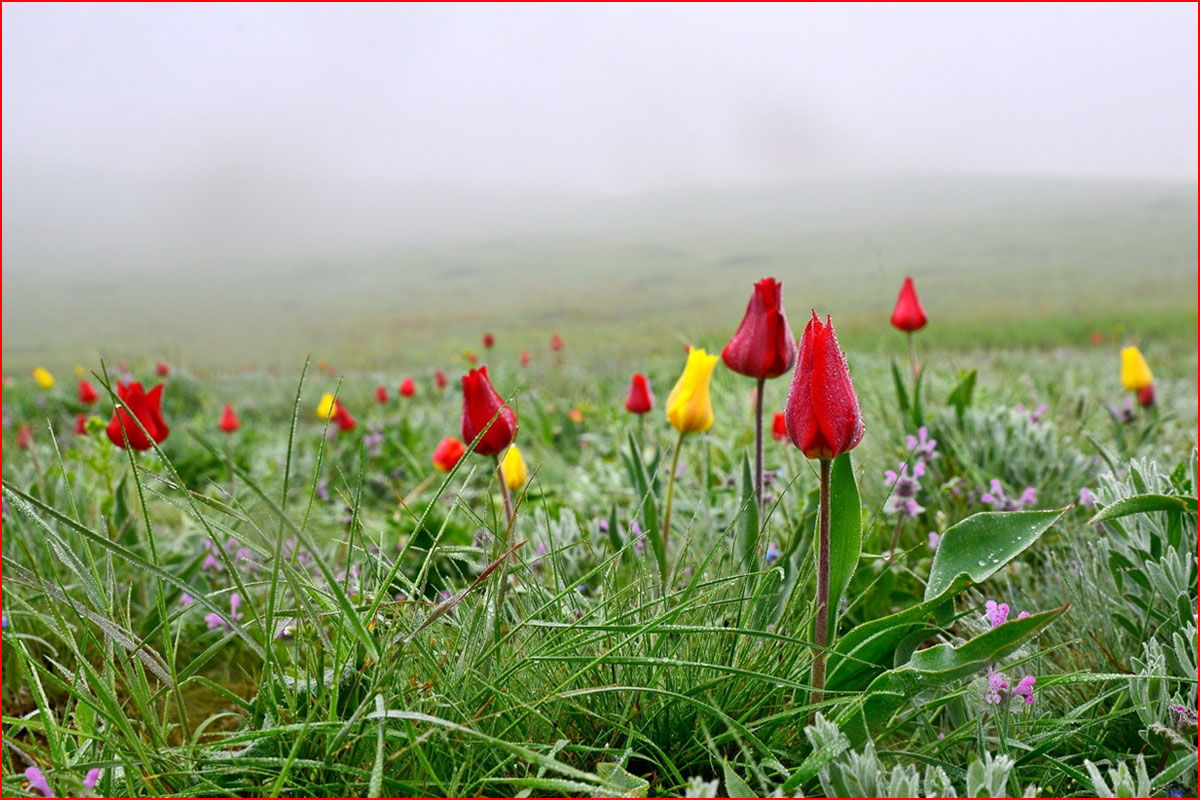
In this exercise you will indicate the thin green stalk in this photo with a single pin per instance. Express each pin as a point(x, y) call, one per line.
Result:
point(666, 529)
point(758, 447)
point(502, 577)
point(822, 623)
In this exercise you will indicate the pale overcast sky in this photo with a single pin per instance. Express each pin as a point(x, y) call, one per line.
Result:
point(602, 98)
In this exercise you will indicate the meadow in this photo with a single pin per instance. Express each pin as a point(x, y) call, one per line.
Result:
point(300, 607)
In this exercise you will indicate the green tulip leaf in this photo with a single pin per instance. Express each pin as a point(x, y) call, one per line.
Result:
point(845, 533)
point(901, 392)
point(748, 541)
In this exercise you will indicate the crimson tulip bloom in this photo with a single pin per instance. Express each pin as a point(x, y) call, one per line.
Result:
point(908, 315)
point(448, 453)
point(162, 369)
point(87, 393)
point(24, 437)
point(229, 420)
point(556, 342)
point(639, 401)
point(822, 414)
point(407, 387)
point(489, 341)
point(81, 424)
point(381, 395)
point(763, 346)
point(779, 428)
point(480, 404)
point(147, 408)
point(343, 418)
point(439, 379)
point(1145, 396)
point(525, 358)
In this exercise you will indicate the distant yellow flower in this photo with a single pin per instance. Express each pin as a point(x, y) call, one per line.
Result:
point(689, 407)
point(80, 371)
point(44, 378)
point(513, 469)
point(327, 407)
point(1135, 372)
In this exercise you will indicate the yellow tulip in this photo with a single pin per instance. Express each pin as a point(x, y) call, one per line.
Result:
point(513, 469)
point(327, 407)
point(689, 407)
point(80, 371)
point(1135, 372)
point(44, 378)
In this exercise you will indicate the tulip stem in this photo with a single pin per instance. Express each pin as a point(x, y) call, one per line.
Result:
point(508, 512)
point(822, 623)
point(758, 447)
point(666, 529)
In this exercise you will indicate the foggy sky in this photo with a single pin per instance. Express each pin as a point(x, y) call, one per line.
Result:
point(600, 99)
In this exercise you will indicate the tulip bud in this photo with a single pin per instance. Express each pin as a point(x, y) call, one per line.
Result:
point(162, 369)
point(822, 414)
point(489, 341)
point(639, 400)
point(407, 387)
point(763, 346)
point(1135, 372)
point(513, 469)
point(575, 415)
point(87, 393)
point(381, 395)
point(344, 419)
point(689, 406)
point(24, 437)
point(525, 358)
point(779, 427)
point(448, 453)
point(327, 407)
point(480, 404)
point(43, 378)
point(439, 379)
point(147, 408)
point(556, 342)
point(81, 424)
point(908, 315)
point(1145, 396)
point(229, 420)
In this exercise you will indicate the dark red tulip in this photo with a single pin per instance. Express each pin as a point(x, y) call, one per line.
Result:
point(525, 358)
point(81, 424)
point(779, 427)
point(908, 314)
point(1145, 396)
point(556, 342)
point(439, 379)
point(381, 395)
point(147, 408)
point(448, 453)
point(407, 387)
point(162, 369)
point(822, 414)
point(639, 401)
point(24, 437)
point(229, 420)
point(343, 418)
point(763, 346)
point(87, 394)
point(489, 341)
point(480, 404)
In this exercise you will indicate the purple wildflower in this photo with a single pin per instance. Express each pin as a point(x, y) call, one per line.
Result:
point(38, 781)
point(1124, 414)
point(1024, 689)
point(603, 525)
point(322, 489)
point(682, 468)
point(996, 685)
point(773, 553)
point(995, 613)
point(215, 620)
point(1086, 498)
point(921, 445)
point(92, 778)
point(186, 599)
point(1038, 413)
point(639, 538)
point(935, 539)
point(999, 501)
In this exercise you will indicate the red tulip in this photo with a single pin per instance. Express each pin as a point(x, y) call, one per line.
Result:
point(229, 420)
point(439, 379)
point(343, 418)
point(471, 359)
point(147, 408)
point(1097, 337)
point(488, 341)
point(381, 395)
point(407, 387)
point(556, 342)
point(480, 404)
point(763, 346)
point(448, 453)
point(87, 394)
point(639, 400)
point(908, 314)
point(24, 437)
point(1145, 396)
point(525, 358)
point(162, 369)
point(80, 424)
point(822, 414)
point(779, 428)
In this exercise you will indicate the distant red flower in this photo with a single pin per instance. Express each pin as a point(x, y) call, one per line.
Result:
point(87, 394)
point(779, 428)
point(480, 404)
point(229, 420)
point(639, 400)
point(908, 315)
point(24, 437)
point(471, 357)
point(1145, 396)
point(489, 341)
point(556, 342)
point(146, 407)
point(80, 424)
point(1097, 337)
point(439, 379)
point(448, 453)
point(343, 418)
point(381, 395)
point(162, 369)
point(525, 358)
point(407, 387)
point(575, 415)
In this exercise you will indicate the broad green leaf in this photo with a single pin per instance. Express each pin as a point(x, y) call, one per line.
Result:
point(734, 785)
point(960, 398)
point(1144, 503)
point(845, 533)
point(901, 392)
point(981, 544)
point(748, 540)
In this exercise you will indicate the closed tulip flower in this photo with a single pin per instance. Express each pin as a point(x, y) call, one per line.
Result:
point(229, 420)
point(147, 408)
point(779, 427)
point(87, 393)
point(639, 399)
point(1145, 396)
point(1135, 372)
point(525, 358)
point(513, 469)
point(908, 315)
point(344, 419)
point(24, 437)
point(327, 407)
point(689, 406)
point(407, 387)
point(439, 379)
point(489, 341)
point(162, 369)
point(763, 346)
point(43, 378)
point(81, 424)
point(822, 413)
point(556, 342)
point(381, 395)
point(448, 453)
point(480, 404)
